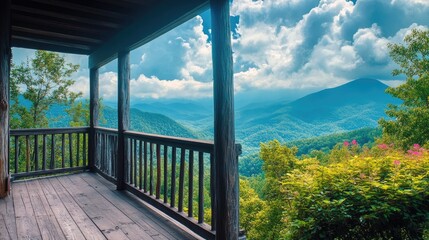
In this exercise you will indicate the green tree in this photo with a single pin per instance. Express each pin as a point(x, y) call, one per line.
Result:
point(410, 119)
point(278, 161)
point(42, 81)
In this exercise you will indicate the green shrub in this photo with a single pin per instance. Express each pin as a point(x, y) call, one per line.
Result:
point(380, 194)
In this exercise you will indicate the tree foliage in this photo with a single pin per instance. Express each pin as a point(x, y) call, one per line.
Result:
point(38, 84)
point(410, 119)
point(360, 193)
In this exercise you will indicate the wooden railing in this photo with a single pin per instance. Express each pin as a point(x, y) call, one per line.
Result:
point(36, 152)
point(175, 175)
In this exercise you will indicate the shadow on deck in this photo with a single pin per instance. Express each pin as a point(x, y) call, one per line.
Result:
point(80, 206)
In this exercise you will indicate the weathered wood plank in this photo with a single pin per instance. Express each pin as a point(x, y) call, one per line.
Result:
point(48, 224)
point(51, 200)
point(7, 218)
point(227, 201)
point(84, 223)
point(4, 233)
point(123, 206)
point(112, 222)
point(26, 223)
point(5, 56)
point(128, 204)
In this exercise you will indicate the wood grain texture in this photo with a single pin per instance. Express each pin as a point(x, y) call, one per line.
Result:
point(7, 219)
point(80, 206)
point(93, 115)
point(5, 59)
point(123, 115)
point(226, 164)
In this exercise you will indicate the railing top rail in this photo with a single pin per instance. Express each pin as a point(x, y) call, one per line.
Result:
point(106, 130)
point(40, 131)
point(194, 144)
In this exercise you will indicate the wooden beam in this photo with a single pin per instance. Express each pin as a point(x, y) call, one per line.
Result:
point(43, 44)
point(123, 115)
point(82, 8)
point(5, 59)
point(33, 9)
point(41, 33)
point(94, 106)
point(225, 154)
point(56, 25)
point(150, 24)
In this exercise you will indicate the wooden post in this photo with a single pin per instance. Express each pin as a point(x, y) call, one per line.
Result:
point(226, 164)
point(123, 115)
point(5, 56)
point(93, 116)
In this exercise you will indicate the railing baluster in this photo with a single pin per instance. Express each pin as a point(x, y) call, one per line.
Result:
point(158, 170)
point(84, 149)
point(130, 161)
point(173, 177)
point(71, 149)
point(181, 178)
point(63, 150)
point(27, 153)
point(16, 154)
point(115, 147)
point(151, 169)
point(77, 149)
point(145, 167)
point(44, 153)
point(52, 164)
point(135, 163)
point(191, 183)
point(36, 152)
point(165, 173)
point(213, 192)
point(140, 165)
point(112, 150)
point(200, 187)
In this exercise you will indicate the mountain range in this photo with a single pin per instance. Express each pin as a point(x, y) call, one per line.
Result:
point(357, 104)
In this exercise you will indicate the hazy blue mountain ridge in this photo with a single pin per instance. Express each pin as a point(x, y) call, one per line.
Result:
point(354, 105)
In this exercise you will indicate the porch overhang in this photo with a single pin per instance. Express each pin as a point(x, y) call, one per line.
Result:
point(97, 28)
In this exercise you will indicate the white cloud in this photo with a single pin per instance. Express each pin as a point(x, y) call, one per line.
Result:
point(108, 84)
point(152, 87)
point(332, 42)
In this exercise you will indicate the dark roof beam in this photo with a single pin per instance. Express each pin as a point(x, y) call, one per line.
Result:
point(75, 18)
point(58, 27)
point(82, 8)
point(43, 44)
point(50, 34)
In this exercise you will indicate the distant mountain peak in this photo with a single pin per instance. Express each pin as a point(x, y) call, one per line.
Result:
point(366, 82)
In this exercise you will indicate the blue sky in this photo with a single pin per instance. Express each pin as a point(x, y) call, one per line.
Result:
point(280, 46)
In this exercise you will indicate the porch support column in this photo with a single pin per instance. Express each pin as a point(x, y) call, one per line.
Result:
point(93, 116)
point(123, 115)
point(5, 57)
point(226, 164)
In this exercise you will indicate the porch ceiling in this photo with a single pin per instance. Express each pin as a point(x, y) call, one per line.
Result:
point(99, 28)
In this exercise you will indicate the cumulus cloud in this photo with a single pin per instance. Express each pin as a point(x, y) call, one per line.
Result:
point(328, 43)
point(153, 87)
point(183, 52)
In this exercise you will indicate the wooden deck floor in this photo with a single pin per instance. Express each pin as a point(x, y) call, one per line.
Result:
point(80, 206)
